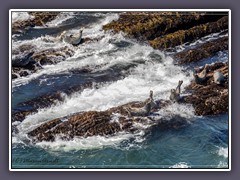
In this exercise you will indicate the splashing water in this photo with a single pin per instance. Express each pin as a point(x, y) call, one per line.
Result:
point(148, 69)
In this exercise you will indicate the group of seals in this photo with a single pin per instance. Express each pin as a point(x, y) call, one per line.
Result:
point(150, 104)
point(201, 77)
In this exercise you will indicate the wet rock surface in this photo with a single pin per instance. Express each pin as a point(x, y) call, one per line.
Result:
point(24, 66)
point(162, 30)
point(53, 56)
point(150, 25)
point(210, 98)
point(189, 35)
point(165, 30)
point(205, 50)
point(169, 29)
point(40, 19)
point(100, 123)
point(30, 107)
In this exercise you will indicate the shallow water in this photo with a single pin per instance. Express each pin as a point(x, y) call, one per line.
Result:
point(123, 71)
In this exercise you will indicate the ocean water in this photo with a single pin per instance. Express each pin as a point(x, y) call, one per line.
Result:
point(123, 70)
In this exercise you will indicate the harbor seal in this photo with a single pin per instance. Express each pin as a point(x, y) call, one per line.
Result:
point(145, 110)
point(202, 76)
point(175, 93)
point(73, 39)
point(218, 77)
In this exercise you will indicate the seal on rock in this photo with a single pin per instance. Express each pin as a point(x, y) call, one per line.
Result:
point(202, 76)
point(73, 39)
point(143, 111)
point(175, 93)
point(218, 77)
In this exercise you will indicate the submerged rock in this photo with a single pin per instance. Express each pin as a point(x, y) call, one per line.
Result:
point(23, 61)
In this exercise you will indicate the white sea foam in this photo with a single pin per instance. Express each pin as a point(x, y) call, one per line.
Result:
point(180, 165)
point(159, 76)
point(223, 152)
point(175, 109)
point(200, 41)
point(61, 18)
point(21, 16)
point(86, 54)
point(222, 164)
point(95, 142)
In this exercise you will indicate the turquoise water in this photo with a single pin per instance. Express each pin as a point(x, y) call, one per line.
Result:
point(129, 70)
point(198, 145)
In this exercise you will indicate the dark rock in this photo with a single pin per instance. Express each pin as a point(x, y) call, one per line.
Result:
point(40, 18)
point(28, 65)
point(181, 36)
point(150, 25)
point(93, 123)
point(210, 98)
point(21, 71)
point(53, 56)
point(14, 76)
point(21, 62)
point(205, 50)
point(20, 116)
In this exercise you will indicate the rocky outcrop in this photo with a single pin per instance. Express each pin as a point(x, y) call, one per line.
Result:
point(210, 98)
point(53, 56)
point(179, 37)
point(40, 19)
point(166, 30)
point(205, 50)
point(24, 67)
point(150, 25)
point(51, 98)
point(101, 123)
point(162, 31)
point(207, 99)
point(30, 107)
